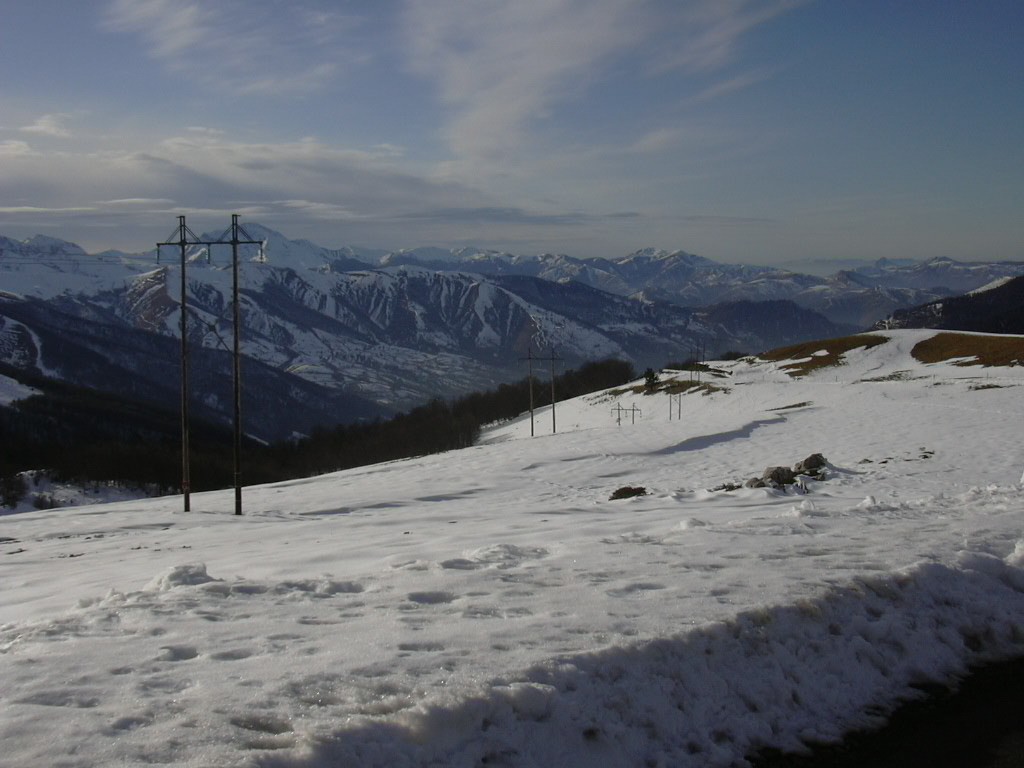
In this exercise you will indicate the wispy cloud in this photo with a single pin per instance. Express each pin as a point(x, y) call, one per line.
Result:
point(709, 32)
point(733, 84)
point(499, 65)
point(14, 148)
point(656, 141)
point(501, 68)
point(240, 46)
point(499, 215)
point(201, 171)
point(141, 201)
point(48, 125)
point(33, 209)
point(305, 187)
point(726, 220)
point(171, 27)
point(320, 210)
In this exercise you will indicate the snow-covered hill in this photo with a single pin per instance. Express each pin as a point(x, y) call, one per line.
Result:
point(494, 606)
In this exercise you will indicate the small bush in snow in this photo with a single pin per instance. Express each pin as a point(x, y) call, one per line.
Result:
point(628, 491)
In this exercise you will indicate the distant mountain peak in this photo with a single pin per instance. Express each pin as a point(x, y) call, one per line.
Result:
point(45, 242)
point(42, 245)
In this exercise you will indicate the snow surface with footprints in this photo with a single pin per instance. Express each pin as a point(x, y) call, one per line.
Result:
point(492, 606)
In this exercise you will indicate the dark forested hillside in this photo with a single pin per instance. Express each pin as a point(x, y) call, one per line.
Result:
point(436, 426)
point(996, 310)
point(83, 435)
point(84, 344)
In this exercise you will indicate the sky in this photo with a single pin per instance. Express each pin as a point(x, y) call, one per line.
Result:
point(494, 606)
point(753, 131)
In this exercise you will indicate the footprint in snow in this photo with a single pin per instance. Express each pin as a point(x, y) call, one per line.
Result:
point(432, 598)
point(177, 653)
point(632, 589)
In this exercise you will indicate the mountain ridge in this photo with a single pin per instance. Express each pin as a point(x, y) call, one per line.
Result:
point(408, 328)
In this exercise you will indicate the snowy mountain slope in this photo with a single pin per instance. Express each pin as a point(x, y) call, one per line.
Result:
point(398, 335)
point(78, 342)
point(493, 606)
point(849, 297)
point(953, 276)
point(12, 390)
point(44, 267)
point(299, 254)
point(860, 296)
point(404, 334)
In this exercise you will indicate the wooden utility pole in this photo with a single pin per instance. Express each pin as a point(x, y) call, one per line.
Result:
point(183, 243)
point(553, 359)
point(529, 359)
point(185, 239)
point(236, 228)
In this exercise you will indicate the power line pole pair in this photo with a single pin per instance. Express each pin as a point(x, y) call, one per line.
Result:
point(618, 410)
point(697, 355)
point(530, 358)
point(188, 239)
point(675, 403)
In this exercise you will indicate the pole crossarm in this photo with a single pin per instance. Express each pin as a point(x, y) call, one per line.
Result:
point(195, 241)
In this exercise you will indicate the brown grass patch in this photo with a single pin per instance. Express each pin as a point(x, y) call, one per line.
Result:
point(672, 387)
point(679, 387)
point(697, 368)
point(834, 349)
point(985, 350)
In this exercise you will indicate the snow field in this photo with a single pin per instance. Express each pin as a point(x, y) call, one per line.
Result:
point(492, 606)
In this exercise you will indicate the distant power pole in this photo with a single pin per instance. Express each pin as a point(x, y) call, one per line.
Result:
point(677, 401)
point(529, 359)
point(696, 356)
point(635, 411)
point(618, 410)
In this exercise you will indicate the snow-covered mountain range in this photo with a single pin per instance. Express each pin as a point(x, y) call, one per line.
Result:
point(353, 330)
point(856, 297)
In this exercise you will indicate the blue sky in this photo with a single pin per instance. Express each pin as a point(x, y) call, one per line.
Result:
point(758, 131)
